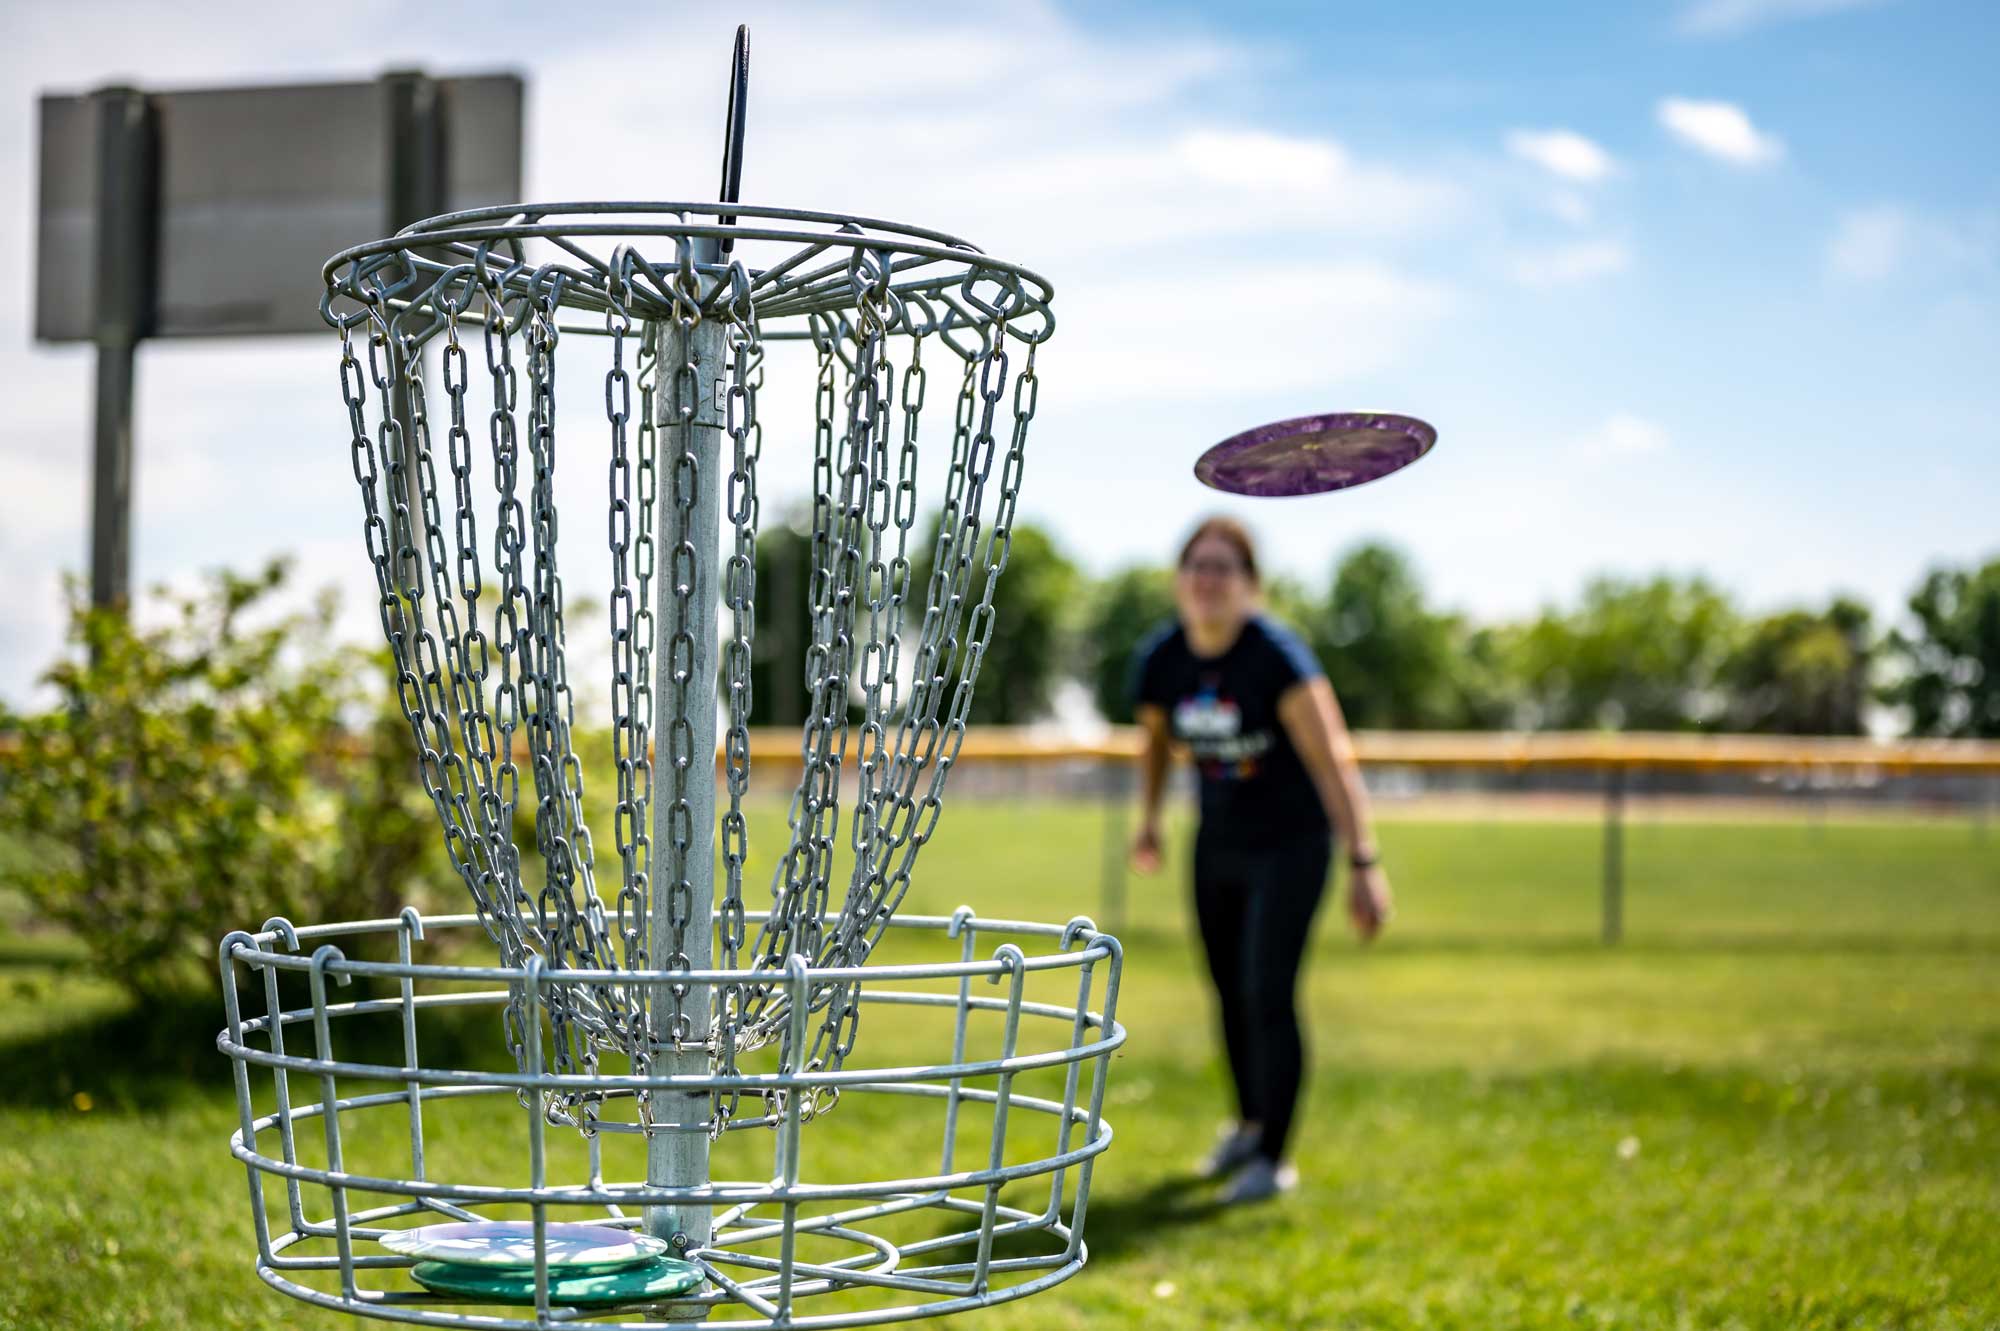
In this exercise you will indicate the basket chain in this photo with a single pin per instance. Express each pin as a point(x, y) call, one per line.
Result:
point(864, 504)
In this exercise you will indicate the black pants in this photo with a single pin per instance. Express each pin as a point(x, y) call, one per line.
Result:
point(1255, 904)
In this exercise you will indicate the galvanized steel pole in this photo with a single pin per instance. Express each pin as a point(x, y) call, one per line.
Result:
point(677, 1151)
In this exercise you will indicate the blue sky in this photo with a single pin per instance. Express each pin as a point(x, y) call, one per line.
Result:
point(1701, 285)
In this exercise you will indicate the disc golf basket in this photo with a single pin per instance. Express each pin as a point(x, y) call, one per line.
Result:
point(651, 1027)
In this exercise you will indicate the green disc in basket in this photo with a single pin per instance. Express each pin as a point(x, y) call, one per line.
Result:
point(663, 1277)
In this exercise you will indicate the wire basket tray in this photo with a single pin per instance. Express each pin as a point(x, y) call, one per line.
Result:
point(371, 1137)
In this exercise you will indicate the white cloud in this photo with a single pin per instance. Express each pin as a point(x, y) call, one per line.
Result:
point(1316, 325)
point(1869, 244)
point(1054, 179)
point(1565, 264)
point(1875, 243)
point(1253, 160)
point(1720, 129)
point(1563, 152)
point(1624, 435)
point(1721, 18)
point(1097, 157)
point(47, 489)
point(1572, 207)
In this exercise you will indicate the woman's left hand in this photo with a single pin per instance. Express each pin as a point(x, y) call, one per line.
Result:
point(1368, 901)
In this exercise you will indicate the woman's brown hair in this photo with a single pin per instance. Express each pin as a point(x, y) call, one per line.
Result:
point(1225, 529)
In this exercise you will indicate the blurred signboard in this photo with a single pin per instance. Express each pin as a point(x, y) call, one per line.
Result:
point(231, 199)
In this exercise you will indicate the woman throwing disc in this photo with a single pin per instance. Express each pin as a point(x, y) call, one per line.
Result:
point(1279, 785)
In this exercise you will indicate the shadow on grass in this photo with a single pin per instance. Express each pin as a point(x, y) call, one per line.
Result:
point(156, 1053)
point(1118, 1222)
point(137, 1056)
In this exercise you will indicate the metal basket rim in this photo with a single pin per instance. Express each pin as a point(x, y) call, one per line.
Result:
point(505, 223)
point(250, 949)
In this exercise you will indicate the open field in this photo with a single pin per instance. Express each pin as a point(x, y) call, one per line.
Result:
point(1776, 1105)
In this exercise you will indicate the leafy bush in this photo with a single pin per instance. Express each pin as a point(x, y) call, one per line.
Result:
point(204, 774)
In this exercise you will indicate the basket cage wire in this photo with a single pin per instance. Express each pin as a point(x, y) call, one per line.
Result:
point(659, 1021)
point(343, 1146)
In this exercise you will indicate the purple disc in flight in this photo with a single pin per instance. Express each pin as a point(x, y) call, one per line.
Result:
point(1314, 454)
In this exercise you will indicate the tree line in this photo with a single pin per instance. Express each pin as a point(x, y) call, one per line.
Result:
point(1655, 653)
point(232, 760)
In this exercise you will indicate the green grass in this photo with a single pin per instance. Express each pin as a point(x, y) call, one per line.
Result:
point(1777, 1105)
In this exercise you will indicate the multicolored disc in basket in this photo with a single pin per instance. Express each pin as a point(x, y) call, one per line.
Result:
point(1311, 455)
point(657, 1278)
point(510, 1245)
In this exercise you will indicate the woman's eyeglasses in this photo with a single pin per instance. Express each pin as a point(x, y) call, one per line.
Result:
point(1214, 568)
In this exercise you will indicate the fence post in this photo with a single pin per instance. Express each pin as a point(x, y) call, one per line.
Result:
point(1111, 886)
point(1614, 853)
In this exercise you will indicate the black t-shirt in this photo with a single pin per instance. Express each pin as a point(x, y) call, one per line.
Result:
point(1225, 709)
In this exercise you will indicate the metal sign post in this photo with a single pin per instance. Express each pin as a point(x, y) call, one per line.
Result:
point(123, 284)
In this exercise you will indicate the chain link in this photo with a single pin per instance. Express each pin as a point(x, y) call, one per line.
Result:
point(476, 698)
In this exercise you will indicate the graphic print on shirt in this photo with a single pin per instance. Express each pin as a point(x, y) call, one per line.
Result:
point(1211, 725)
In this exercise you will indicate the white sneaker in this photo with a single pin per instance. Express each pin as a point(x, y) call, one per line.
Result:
point(1235, 1146)
point(1259, 1180)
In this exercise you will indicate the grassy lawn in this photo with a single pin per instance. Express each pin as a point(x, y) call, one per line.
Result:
point(1776, 1105)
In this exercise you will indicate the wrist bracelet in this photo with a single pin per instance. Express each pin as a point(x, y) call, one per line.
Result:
point(1368, 861)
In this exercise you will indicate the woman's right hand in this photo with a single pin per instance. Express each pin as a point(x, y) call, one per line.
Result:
point(1368, 900)
point(1146, 848)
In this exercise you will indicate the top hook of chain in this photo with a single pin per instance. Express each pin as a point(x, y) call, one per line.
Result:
point(618, 290)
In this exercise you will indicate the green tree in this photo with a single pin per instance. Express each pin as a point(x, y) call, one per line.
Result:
point(778, 655)
point(1122, 610)
point(1802, 673)
point(1393, 662)
point(1950, 656)
point(192, 780)
point(1635, 655)
point(1487, 675)
point(1289, 601)
point(1034, 614)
